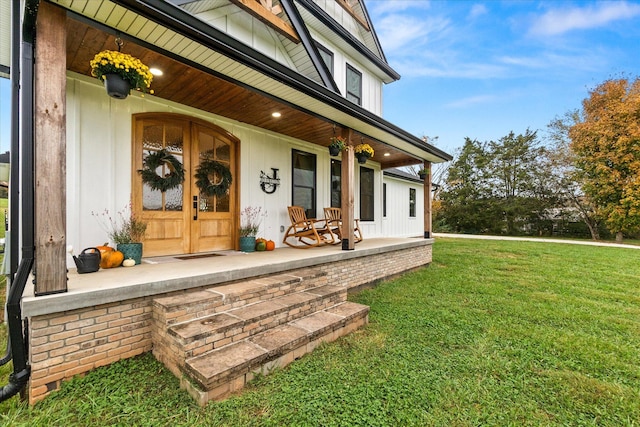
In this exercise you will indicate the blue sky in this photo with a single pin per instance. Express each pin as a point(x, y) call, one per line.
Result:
point(483, 69)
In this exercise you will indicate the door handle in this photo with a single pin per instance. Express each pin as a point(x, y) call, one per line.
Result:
point(195, 208)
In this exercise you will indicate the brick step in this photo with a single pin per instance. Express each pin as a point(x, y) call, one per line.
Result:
point(216, 299)
point(215, 374)
point(207, 333)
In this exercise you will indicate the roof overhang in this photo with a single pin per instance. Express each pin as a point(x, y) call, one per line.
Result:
point(162, 29)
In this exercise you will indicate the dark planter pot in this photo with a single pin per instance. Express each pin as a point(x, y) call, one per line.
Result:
point(334, 151)
point(362, 158)
point(422, 175)
point(116, 86)
point(248, 244)
point(131, 250)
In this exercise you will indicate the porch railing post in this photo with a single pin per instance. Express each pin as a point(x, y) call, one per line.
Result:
point(427, 201)
point(347, 201)
point(50, 150)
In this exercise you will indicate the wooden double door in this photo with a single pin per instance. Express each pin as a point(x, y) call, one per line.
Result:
point(181, 219)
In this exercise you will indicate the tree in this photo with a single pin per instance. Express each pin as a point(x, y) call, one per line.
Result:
point(466, 198)
point(606, 142)
point(564, 178)
point(518, 180)
point(499, 187)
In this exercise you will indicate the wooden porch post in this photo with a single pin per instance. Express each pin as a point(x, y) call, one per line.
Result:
point(347, 171)
point(427, 201)
point(50, 150)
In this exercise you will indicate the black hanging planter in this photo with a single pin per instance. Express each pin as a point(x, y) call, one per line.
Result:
point(362, 158)
point(334, 151)
point(422, 176)
point(116, 86)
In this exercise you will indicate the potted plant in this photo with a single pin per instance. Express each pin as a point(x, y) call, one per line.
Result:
point(336, 145)
point(363, 152)
point(422, 173)
point(120, 72)
point(250, 219)
point(125, 230)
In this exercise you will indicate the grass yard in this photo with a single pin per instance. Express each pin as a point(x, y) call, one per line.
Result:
point(494, 333)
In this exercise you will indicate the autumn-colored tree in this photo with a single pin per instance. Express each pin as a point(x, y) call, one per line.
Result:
point(562, 176)
point(606, 143)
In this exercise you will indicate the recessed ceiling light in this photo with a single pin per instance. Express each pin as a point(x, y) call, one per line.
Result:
point(156, 71)
point(276, 114)
point(387, 154)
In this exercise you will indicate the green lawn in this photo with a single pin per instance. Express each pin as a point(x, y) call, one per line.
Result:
point(494, 333)
point(4, 204)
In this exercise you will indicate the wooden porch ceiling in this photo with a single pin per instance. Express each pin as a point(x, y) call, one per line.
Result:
point(190, 86)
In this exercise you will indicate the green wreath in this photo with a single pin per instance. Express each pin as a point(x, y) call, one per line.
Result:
point(163, 183)
point(208, 188)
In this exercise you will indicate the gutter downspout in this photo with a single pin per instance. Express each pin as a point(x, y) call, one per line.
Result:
point(17, 335)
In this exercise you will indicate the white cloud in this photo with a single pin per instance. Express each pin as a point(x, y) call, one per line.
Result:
point(395, 6)
point(477, 10)
point(396, 31)
point(559, 21)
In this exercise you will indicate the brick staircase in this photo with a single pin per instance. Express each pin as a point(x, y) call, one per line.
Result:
point(215, 340)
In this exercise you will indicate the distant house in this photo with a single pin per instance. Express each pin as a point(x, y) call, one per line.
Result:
point(250, 95)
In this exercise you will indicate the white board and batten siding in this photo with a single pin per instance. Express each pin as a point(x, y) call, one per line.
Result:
point(398, 223)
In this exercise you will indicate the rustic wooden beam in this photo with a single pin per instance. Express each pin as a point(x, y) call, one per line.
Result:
point(265, 15)
point(50, 151)
point(347, 170)
point(427, 201)
point(346, 6)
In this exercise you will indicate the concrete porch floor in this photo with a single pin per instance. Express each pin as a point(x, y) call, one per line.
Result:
point(167, 274)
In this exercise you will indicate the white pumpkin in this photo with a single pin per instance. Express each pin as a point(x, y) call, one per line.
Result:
point(129, 262)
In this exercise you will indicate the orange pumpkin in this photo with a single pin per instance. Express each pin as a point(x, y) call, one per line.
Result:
point(271, 245)
point(105, 248)
point(109, 257)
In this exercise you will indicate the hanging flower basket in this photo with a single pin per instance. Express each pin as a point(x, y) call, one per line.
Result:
point(363, 152)
point(337, 144)
point(130, 70)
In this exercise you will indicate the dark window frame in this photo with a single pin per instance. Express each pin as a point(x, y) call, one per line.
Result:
point(384, 199)
point(357, 98)
point(367, 215)
point(323, 50)
point(310, 211)
point(412, 202)
point(335, 185)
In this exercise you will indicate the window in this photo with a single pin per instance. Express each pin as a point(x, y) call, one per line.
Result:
point(366, 194)
point(327, 56)
point(354, 85)
point(384, 200)
point(412, 202)
point(303, 192)
point(336, 184)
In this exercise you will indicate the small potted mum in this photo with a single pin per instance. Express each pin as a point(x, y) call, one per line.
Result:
point(120, 72)
point(336, 145)
point(363, 152)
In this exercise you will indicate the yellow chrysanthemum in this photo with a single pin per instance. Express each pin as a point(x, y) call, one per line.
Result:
point(129, 68)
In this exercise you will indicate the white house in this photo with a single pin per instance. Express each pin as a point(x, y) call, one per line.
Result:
point(250, 95)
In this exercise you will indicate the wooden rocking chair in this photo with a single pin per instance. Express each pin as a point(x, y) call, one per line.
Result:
point(333, 218)
point(309, 232)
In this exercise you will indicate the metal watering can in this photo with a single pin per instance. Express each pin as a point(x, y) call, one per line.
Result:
point(88, 262)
